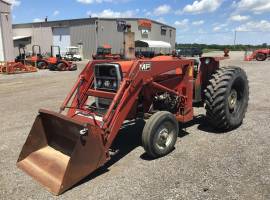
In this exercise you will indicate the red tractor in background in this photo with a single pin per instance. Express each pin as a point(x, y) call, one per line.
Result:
point(57, 63)
point(63, 148)
point(259, 55)
point(36, 59)
point(105, 53)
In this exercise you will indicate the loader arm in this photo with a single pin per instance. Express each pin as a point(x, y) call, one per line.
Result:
point(131, 87)
point(126, 96)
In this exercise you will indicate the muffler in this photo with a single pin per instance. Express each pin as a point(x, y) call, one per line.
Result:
point(61, 151)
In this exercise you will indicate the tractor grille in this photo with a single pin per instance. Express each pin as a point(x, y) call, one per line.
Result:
point(108, 77)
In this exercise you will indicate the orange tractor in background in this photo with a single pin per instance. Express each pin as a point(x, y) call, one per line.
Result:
point(259, 55)
point(105, 53)
point(57, 63)
point(36, 59)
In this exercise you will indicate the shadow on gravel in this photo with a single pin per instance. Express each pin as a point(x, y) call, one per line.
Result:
point(203, 125)
point(129, 138)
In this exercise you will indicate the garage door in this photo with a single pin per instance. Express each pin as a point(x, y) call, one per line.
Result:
point(61, 37)
point(1, 43)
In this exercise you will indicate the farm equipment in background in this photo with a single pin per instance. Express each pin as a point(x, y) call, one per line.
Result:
point(37, 59)
point(145, 54)
point(72, 54)
point(57, 63)
point(22, 55)
point(226, 52)
point(16, 68)
point(63, 148)
point(105, 53)
point(189, 52)
point(259, 55)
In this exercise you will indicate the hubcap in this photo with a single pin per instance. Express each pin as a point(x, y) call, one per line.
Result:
point(232, 99)
point(164, 137)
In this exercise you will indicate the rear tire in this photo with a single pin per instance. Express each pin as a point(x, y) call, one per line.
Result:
point(226, 98)
point(42, 65)
point(61, 66)
point(73, 67)
point(160, 134)
point(261, 57)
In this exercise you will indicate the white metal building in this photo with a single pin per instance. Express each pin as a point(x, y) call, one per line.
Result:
point(6, 42)
point(89, 33)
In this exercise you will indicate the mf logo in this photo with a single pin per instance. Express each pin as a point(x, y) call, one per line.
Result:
point(145, 66)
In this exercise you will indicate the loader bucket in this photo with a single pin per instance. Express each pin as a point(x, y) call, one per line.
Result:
point(57, 155)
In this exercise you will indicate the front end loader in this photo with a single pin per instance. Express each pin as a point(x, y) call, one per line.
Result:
point(259, 55)
point(63, 148)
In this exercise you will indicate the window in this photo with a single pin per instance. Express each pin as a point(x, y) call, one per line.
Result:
point(145, 33)
point(121, 25)
point(163, 30)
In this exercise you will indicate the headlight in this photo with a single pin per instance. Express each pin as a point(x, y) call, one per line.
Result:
point(107, 83)
point(99, 83)
point(114, 85)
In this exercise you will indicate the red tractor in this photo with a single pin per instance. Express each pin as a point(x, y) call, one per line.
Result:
point(259, 55)
point(36, 60)
point(105, 52)
point(63, 148)
point(57, 63)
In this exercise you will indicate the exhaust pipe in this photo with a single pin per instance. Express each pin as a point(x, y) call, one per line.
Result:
point(60, 151)
point(129, 44)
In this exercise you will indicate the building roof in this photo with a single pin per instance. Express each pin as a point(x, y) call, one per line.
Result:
point(91, 18)
point(3, 1)
point(152, 44)
point(21, 37)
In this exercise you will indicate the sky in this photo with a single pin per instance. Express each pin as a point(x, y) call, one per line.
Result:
point(196, 21)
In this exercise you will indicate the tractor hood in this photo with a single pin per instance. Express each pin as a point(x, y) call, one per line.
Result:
point(126, 65)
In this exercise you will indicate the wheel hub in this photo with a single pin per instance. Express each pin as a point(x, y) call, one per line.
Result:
point(163, 138)
point(232, 99)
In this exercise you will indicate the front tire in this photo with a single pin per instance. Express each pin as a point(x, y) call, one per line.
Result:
point(226, 98)
point(261, 57)
point(160, 134)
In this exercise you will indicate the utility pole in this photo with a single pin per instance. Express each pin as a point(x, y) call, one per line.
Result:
point(234, 42)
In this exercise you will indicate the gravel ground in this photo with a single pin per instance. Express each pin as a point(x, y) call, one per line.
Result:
point(204, 165)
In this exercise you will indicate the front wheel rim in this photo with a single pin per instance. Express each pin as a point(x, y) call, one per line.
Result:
point(164, 136)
